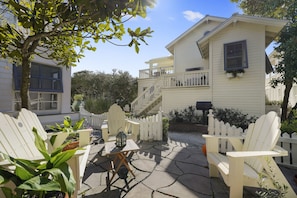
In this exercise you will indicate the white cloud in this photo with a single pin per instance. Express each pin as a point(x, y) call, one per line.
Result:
point(192, 16)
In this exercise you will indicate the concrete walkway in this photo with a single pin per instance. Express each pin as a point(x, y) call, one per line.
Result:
point(176, 168)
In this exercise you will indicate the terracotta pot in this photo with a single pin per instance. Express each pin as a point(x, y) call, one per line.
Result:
point(203, 149)
point(71, 145)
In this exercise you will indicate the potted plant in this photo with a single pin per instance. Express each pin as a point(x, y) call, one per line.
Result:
point(39, 178)
point(235, 73)
point(78, 100)
point(70, 129)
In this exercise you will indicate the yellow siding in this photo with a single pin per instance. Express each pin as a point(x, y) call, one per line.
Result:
point(181, 98)
point(247, 93)
point(186, 52)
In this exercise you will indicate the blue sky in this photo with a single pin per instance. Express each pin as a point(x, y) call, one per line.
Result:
point(168, 19)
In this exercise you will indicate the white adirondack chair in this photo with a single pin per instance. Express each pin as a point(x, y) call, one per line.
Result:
point(117, 121)
point(17, 140)
point(251, 159)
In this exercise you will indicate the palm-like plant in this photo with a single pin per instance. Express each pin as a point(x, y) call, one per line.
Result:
point(34, 179)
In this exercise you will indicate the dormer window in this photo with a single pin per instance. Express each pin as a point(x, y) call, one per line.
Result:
point(235, 56)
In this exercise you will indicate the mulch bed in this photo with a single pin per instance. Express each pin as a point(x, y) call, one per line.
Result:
point(187, 127)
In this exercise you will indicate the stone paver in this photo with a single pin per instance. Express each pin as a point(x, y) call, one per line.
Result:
point(176, 168)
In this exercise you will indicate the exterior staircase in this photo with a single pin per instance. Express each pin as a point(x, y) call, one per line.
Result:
point(149, 100)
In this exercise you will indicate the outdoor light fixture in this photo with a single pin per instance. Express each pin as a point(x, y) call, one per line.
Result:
point(121, 139)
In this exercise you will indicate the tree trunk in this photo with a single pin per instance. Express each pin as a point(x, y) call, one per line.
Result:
point(26, 75)
point(288, 87)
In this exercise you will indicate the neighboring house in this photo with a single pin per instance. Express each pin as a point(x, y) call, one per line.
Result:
point(276, 95)
point(220, 60)
point(50, 89)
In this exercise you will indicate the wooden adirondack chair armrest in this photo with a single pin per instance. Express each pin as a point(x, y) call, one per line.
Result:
point(104, 129)
point(280, 150)
point(134, 125)
point(245, 154)
point(50, 134)
point(132, 122)
point(84, 136)
point(5, 163)
point(222, 137)
point(212, 142)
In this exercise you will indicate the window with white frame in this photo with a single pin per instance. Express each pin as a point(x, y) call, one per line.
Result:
point(39, 101)
point(235, 56)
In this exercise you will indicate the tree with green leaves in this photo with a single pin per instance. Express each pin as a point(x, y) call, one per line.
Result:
point(287, 40)
point(104, 89)
point(61, 30)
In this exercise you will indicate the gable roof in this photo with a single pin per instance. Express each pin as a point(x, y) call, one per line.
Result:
point(206, 19)
point(272, 28)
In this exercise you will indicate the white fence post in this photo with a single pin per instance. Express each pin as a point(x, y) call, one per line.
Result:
point(210, 122)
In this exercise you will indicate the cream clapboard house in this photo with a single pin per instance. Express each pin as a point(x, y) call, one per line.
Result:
point(220, 60)
point(50, 90)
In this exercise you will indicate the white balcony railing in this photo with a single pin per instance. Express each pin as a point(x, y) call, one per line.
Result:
point(155, 72)
point(186, 79)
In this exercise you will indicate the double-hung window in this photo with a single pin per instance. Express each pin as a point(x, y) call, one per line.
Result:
point(235, 56)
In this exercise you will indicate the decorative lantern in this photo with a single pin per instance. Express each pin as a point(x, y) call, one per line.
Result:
point(121, 139)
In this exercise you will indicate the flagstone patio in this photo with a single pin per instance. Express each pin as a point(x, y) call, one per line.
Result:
point(176, 168)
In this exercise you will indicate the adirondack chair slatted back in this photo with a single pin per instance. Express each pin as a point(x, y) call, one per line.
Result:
point(116, 119)
point(31, 120)
point(13, 141)
point(262, 136)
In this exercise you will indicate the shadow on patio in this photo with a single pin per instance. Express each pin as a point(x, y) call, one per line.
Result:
point(176, 168)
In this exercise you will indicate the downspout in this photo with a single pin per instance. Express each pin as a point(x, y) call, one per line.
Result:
point(211, 69)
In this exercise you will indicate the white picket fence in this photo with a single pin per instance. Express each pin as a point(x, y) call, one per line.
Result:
point(151, 128)
point(286, 141)
point(216, 127)
point(92, 120)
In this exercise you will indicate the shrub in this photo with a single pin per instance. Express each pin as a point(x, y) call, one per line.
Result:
point(165, 124)
point(188, 115)
point(234, 117)
point(97, 106)
point(290, 126)
point(176, 116)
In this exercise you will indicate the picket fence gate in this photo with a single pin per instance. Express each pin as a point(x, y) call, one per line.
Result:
point(286, 141)
point(151, 128)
